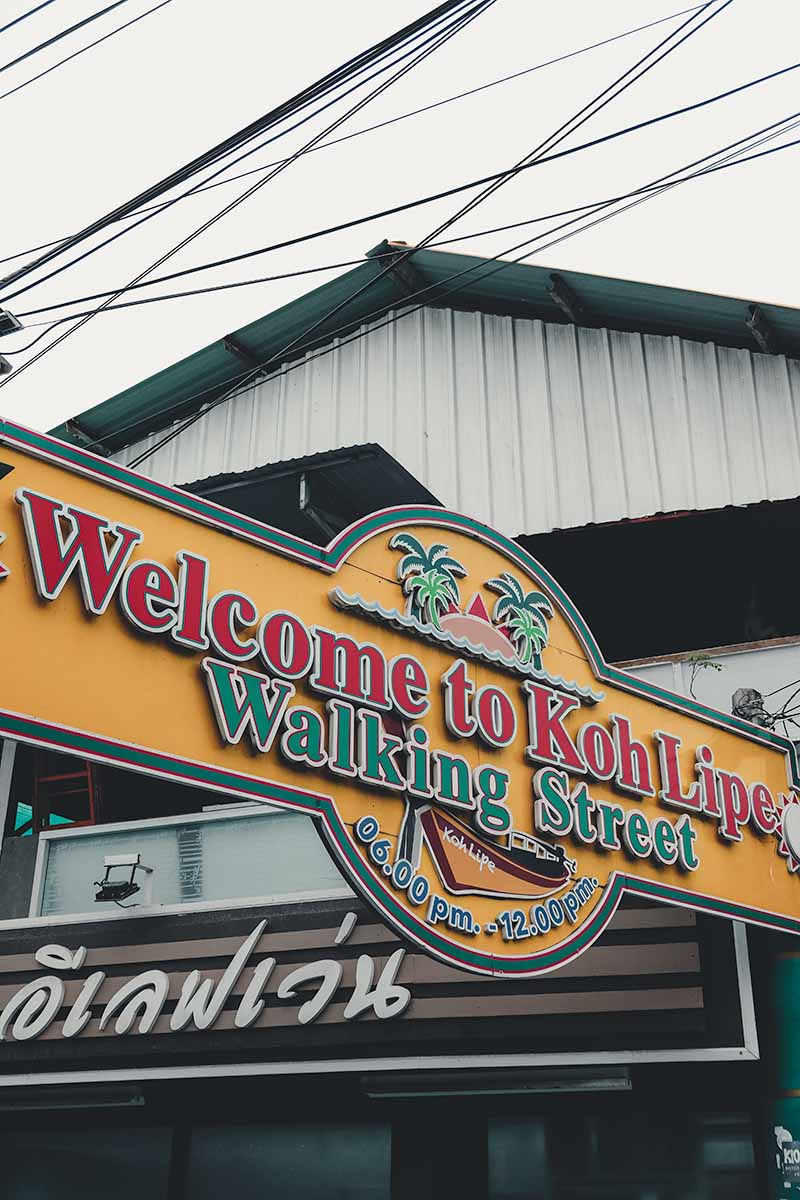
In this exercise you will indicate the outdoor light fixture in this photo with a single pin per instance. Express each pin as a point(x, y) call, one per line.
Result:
point(495, 1083)
point(117, 890)
point(70, 1098)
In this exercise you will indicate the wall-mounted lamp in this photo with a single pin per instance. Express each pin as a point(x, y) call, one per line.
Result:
point(495, 1083)
point(114, 891)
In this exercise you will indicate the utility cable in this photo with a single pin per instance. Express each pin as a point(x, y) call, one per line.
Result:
point(59, 36)
point(411, 49)
point(590, 109)
point(24, 16)
point(391, 254)
point(431, 198)
point(325, 85)
point(464, 19)
point(77, 54)
point(383, 124)
point(244, 380)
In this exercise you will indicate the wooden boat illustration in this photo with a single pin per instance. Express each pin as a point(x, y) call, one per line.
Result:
point(469, 865)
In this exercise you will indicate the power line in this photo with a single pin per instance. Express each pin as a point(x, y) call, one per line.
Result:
point(328, 84)
point(77, 54)
point(463, 19)
point(353, 262)
point(141, 220)
point(382, 124)
point(593, 106)
point(407, 51)
point(590, 109)
point(59, 36)
point(246, 376)
point(431, 198)
point(24, 16)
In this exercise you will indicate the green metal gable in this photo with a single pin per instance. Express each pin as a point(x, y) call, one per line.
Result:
point(517, 290)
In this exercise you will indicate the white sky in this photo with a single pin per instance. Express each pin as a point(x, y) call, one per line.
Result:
point(103, 127)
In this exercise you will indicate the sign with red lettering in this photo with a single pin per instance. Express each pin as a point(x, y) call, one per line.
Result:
point(421, 686)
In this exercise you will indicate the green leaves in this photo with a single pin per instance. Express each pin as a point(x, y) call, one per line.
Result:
point(429, 576)
point(524, 615)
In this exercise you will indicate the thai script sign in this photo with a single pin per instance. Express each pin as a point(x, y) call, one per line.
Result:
point(422, 686)
point(137, 1004)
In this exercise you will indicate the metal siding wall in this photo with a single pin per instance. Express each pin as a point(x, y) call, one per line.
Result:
point(526, 425)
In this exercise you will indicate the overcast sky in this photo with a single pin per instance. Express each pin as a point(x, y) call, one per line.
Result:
point(118, 118)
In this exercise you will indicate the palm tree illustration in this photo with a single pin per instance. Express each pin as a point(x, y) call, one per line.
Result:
point(525, 616)
point(429, 577)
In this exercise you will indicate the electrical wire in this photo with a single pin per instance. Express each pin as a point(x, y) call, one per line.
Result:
point(150, 213)
point(243, 381)
point(390, 121)
point(328, 84)
point(77, 54)
point(354, 262)
point(591, 108)
point(24, 16)
point(59, 36)
point(498, 175)
point(398, 208)
point(462, 20)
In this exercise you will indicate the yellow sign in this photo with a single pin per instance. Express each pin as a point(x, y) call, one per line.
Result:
point(421, 686)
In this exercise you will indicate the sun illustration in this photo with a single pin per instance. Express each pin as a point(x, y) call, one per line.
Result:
point(517, 628)
point(788, 831)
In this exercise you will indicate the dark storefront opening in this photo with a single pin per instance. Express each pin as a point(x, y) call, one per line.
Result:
point(679, 582)
point(661, 1140)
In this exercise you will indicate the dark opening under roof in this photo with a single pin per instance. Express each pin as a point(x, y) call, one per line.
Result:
point(518, 290)
point(317, 496)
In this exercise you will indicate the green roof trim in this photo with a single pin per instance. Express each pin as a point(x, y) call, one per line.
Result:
point(518, 290)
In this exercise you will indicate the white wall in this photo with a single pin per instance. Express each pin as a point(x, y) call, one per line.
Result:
point(527, 426)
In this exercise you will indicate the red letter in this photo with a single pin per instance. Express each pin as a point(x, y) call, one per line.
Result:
point(356, 670)
point(634, 773)
point(409, 685)
point(458, 691)
point(668, 747)
point(765, 815)
point(285, 644)
point(223, 610)
point(190, 629)
point(148, 594)
point(550, 741)
point(497, 721)
point(54, 559)
point(735, 805)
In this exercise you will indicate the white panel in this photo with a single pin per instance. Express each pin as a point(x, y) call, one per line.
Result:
point(706, 426)
point(742, 430)
point(776, 420)
point(768, 669)
point(541, 501)
point(569, 428)
point(602, 425)
point(642, 490)
point(526, 425)
point(670, 427)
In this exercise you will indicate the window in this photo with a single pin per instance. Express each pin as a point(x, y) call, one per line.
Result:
point(304, 1162)
point(95, 1164)
point(614, 1156)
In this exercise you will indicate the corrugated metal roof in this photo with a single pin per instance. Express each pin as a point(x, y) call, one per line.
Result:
point(517, 290)
point(528, 425)
point(338, 487)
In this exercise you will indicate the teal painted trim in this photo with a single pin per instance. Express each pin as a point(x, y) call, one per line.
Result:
point(517, 290)
point(330, 559)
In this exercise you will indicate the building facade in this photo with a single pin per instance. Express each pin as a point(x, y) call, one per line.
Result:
point(241, 1017)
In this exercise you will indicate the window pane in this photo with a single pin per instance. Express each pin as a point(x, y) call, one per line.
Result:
point(621, 1156)
point(306, 1162)
point(125, 1164)
point(250, 855)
